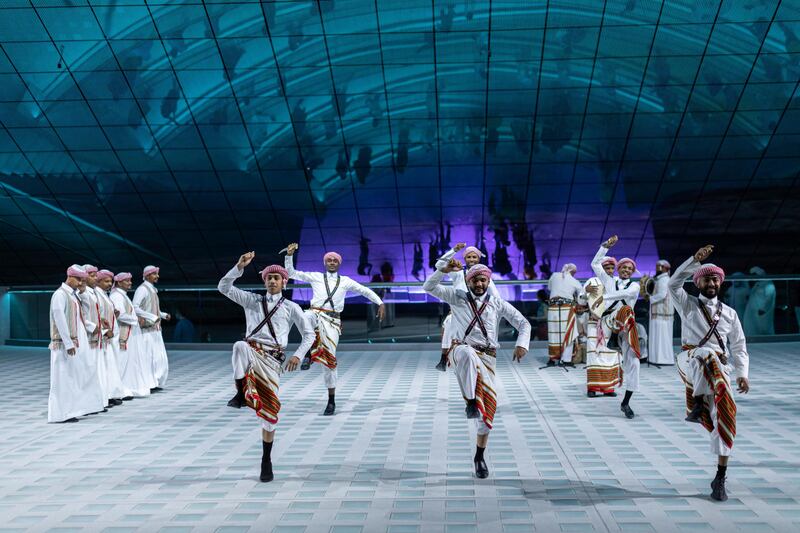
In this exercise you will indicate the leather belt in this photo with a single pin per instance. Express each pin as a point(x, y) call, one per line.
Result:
point(334, 314)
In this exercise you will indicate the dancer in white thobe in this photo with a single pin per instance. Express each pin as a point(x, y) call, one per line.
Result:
point(74, 384)
point(258, 359)
point(714, 350)
point(134, 365)
point(146, 303)
point(618, 321)
point(90, 306)
point(329, 289)
point(472, 256)
point(476, 323)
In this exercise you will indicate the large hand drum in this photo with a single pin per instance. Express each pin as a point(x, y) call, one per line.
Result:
point(597, 304)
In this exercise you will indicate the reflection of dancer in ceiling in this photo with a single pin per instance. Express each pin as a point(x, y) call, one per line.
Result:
point(476, 322)
point(417, 265)
point(329, 289)
point(364, 266)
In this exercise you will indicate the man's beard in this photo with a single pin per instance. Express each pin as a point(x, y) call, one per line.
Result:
point(709, 292)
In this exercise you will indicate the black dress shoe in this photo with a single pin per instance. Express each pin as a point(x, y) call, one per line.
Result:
point(266, 472)
point(550, 362)
point(238, 401)
point(718, 491)
point(571, 365)
point(696, 414)
point(156, 389)
point(627, 410)
point(481, 470)
point(591, 394)
point(329, 409)
point(306, 364)
point(610, 394)
point(472, 409)
point(127, 398)
point(70, 420)
point(442, 365)
point(115, 401)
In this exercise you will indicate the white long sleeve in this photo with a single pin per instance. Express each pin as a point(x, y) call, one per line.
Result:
point(59, 305)
point(288, 263)
point(306, 330)
point(661, 289)
point(118, 299)
point(353, 285)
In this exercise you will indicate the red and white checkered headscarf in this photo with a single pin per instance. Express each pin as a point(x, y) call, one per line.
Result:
point(275, 269)
point(608, 260)
point(77, 271)
point(626, 261)
point(102, 274)
point(478, 270)
point(568, 267)
point(471, 250)
point(664, 263)
point(332, 254)
point(122, 276)
point(89, 269)
point(709, 269)
point(149, 269)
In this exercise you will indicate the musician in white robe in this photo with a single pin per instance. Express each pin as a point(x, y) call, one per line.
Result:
point(258, 359)
point(472, 256)
point(116, 389)
point(476, 323)
point(714, 351)
point(562, 330)
point(659, 343)
point(134, 365)
point(75, 388)
point(148, 307)
point(617, 326)
point(329, 289)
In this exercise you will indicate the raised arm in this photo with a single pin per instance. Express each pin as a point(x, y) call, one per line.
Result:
point(448, 255)
point(597, 262)
point(433, 286)
point(684, 272)
point(225, 285)
point(288, 263)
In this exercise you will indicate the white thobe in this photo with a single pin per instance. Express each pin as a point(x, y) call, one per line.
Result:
point(94, 329)
point(114, 385)
point(287, 315)
point(694, 328)
point(319, 300)
point(152, 341)
point(459, 282)
point(75, 388)
point(134, 366)
point(759, 313)
point(465, 358)
point(659, 341)
point(626, 292)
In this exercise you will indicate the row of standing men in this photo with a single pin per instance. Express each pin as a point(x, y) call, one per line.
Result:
point(104, 347)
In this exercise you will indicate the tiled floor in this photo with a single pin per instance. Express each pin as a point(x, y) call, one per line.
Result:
point(397, 456)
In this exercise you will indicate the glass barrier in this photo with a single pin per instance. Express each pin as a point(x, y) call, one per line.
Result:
point(766, 307)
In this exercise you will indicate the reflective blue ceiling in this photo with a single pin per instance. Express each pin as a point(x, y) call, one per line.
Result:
point(183, 133)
